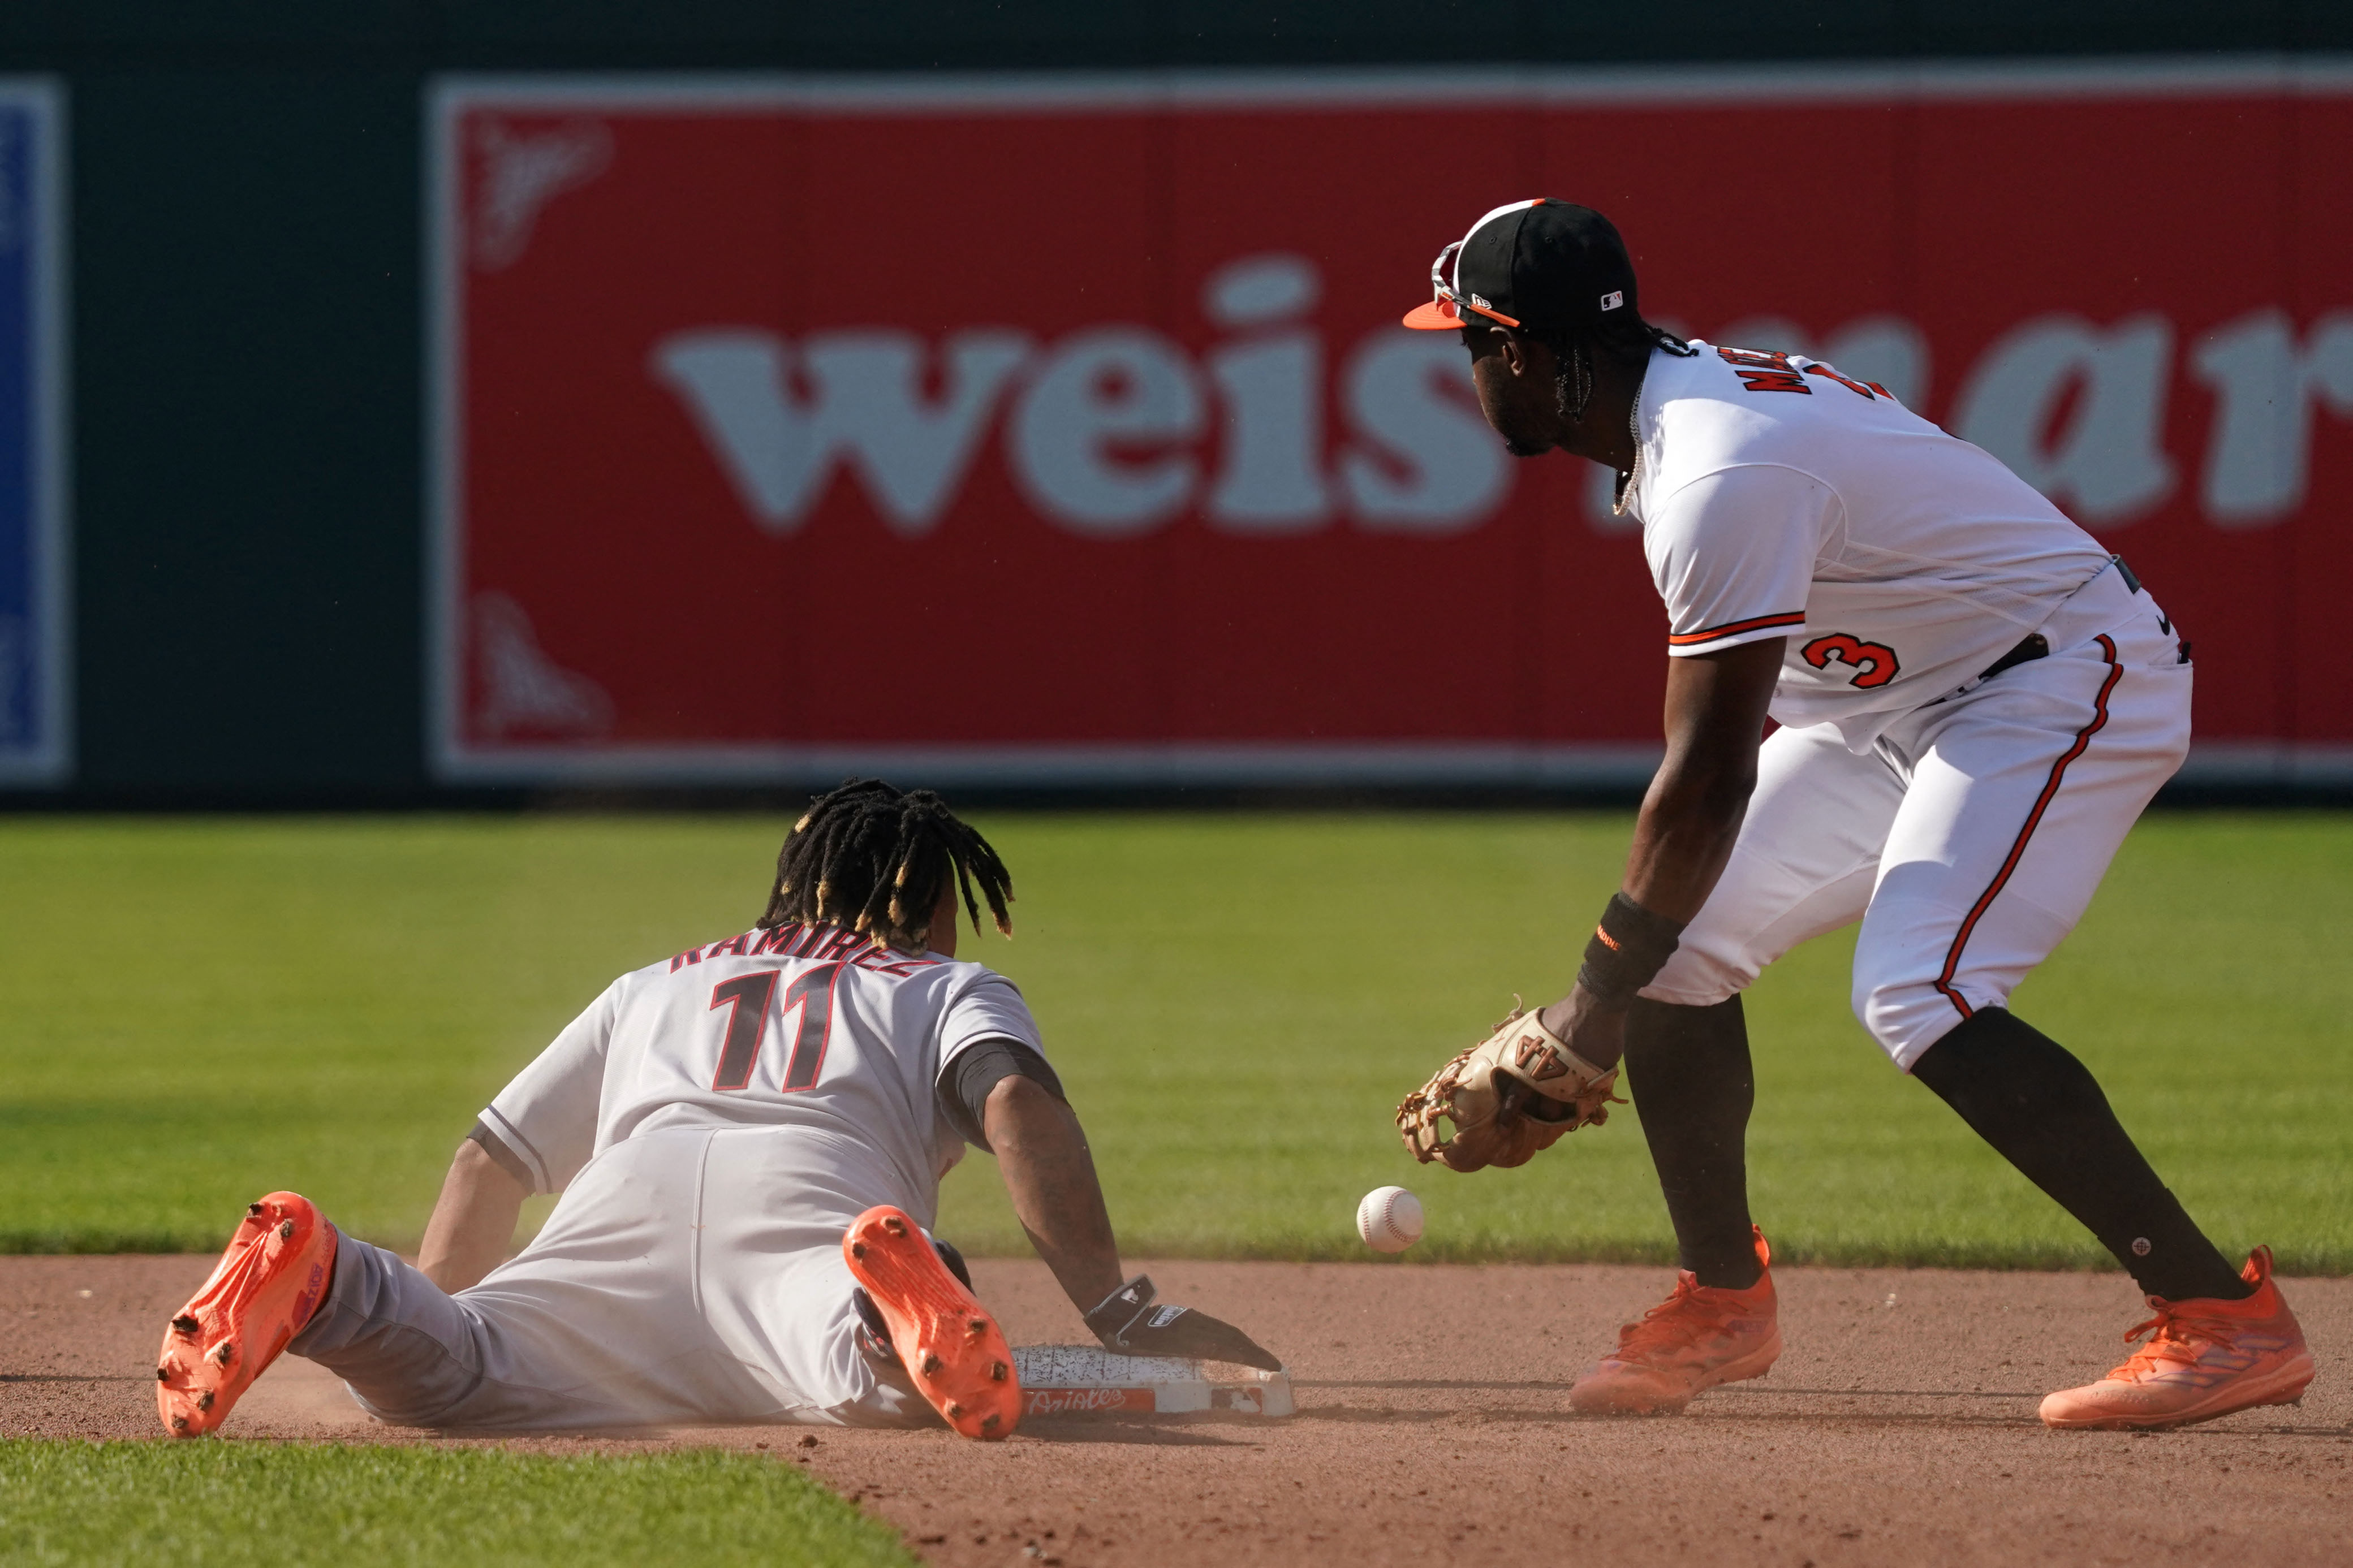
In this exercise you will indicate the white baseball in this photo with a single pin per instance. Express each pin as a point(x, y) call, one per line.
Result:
point(1389, 1219)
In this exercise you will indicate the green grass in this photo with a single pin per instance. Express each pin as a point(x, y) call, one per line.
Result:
point(199, 1011)
point(231, 1503)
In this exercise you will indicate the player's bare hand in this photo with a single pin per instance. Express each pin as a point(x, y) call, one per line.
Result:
point(1595, 1031)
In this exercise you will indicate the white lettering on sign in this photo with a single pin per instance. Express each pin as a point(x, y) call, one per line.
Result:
point(1258, 291)
point(864, 409)
point(520, 174)
point(523, 688)
point(1428, 463)
point(1106, 431)
point(1272, 480)
point(2107, 463)
point(1099, 439)
point(1271, 384)
point(2259, 451)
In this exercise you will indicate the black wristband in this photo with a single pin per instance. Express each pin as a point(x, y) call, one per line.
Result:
point(1629, 948)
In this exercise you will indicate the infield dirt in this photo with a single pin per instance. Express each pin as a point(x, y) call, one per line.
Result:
point(1898, 1428)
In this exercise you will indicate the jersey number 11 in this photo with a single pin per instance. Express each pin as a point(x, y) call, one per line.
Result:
point(746, 999)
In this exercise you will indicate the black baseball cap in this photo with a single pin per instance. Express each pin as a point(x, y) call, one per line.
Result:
point(1542, 264)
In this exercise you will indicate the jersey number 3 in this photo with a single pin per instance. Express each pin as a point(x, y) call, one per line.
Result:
point(1875, 662)
point(746, 999)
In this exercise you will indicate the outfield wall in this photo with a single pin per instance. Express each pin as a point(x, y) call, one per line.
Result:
point(1093, 386)
point(376, 501)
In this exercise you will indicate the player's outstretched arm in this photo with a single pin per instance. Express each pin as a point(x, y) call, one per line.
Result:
point(1691, 816)
point(1531, 1082)
point(473, 1223)
point(1714, 722)
point(1041, 1151)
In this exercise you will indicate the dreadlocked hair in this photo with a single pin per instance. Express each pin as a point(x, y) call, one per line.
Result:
point(874, 860)
point(1628, 340)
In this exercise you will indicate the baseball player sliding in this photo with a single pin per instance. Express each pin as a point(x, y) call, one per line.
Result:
point(748, 1139)
point(1975, 701)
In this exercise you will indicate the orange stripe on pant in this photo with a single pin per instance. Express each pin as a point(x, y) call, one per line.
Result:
point(2034, 819)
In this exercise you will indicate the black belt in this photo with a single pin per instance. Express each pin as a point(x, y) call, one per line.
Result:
point(2034, 646)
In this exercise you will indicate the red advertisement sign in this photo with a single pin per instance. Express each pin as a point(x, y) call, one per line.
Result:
point(1060, 429)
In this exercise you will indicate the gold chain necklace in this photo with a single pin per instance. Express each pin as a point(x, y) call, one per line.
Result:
point(1626, 481)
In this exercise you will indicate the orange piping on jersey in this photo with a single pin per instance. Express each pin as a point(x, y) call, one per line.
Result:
point(1734, 628)
point(2033, 820)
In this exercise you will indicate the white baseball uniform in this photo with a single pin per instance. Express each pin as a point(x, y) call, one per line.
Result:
point(1964, 820)
point(714, 1123)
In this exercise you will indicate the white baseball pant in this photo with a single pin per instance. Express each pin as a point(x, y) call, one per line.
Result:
point(1968, 842)
point(684, 1277)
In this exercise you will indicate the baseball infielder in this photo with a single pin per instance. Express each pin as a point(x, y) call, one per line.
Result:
point(748, 1139)
point(1975, 701)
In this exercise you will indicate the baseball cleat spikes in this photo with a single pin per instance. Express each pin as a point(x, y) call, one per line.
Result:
point(270, 1281)
point(2206, 1358)
point(931, 1317)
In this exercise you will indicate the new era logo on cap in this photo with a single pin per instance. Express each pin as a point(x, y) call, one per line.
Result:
point(1612, 300)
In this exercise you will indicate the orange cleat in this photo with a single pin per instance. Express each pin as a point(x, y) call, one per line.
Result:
point(271, 1279)
point(1700, 1336)
point(943, 1336)
point(2208, 1358)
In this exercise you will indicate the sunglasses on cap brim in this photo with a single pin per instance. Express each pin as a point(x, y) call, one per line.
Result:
point(1446, 307)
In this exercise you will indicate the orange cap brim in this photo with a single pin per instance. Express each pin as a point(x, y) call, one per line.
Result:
point(1438, 316)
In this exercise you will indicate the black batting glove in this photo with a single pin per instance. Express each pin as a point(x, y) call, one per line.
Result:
point(1129, 1323)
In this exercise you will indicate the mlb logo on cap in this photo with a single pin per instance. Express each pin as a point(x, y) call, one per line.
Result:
point(1612, 300)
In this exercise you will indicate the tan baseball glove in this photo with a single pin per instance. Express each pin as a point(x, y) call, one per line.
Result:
point(1510, 1096)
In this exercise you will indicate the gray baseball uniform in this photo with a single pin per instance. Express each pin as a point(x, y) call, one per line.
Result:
point(714, 1123)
